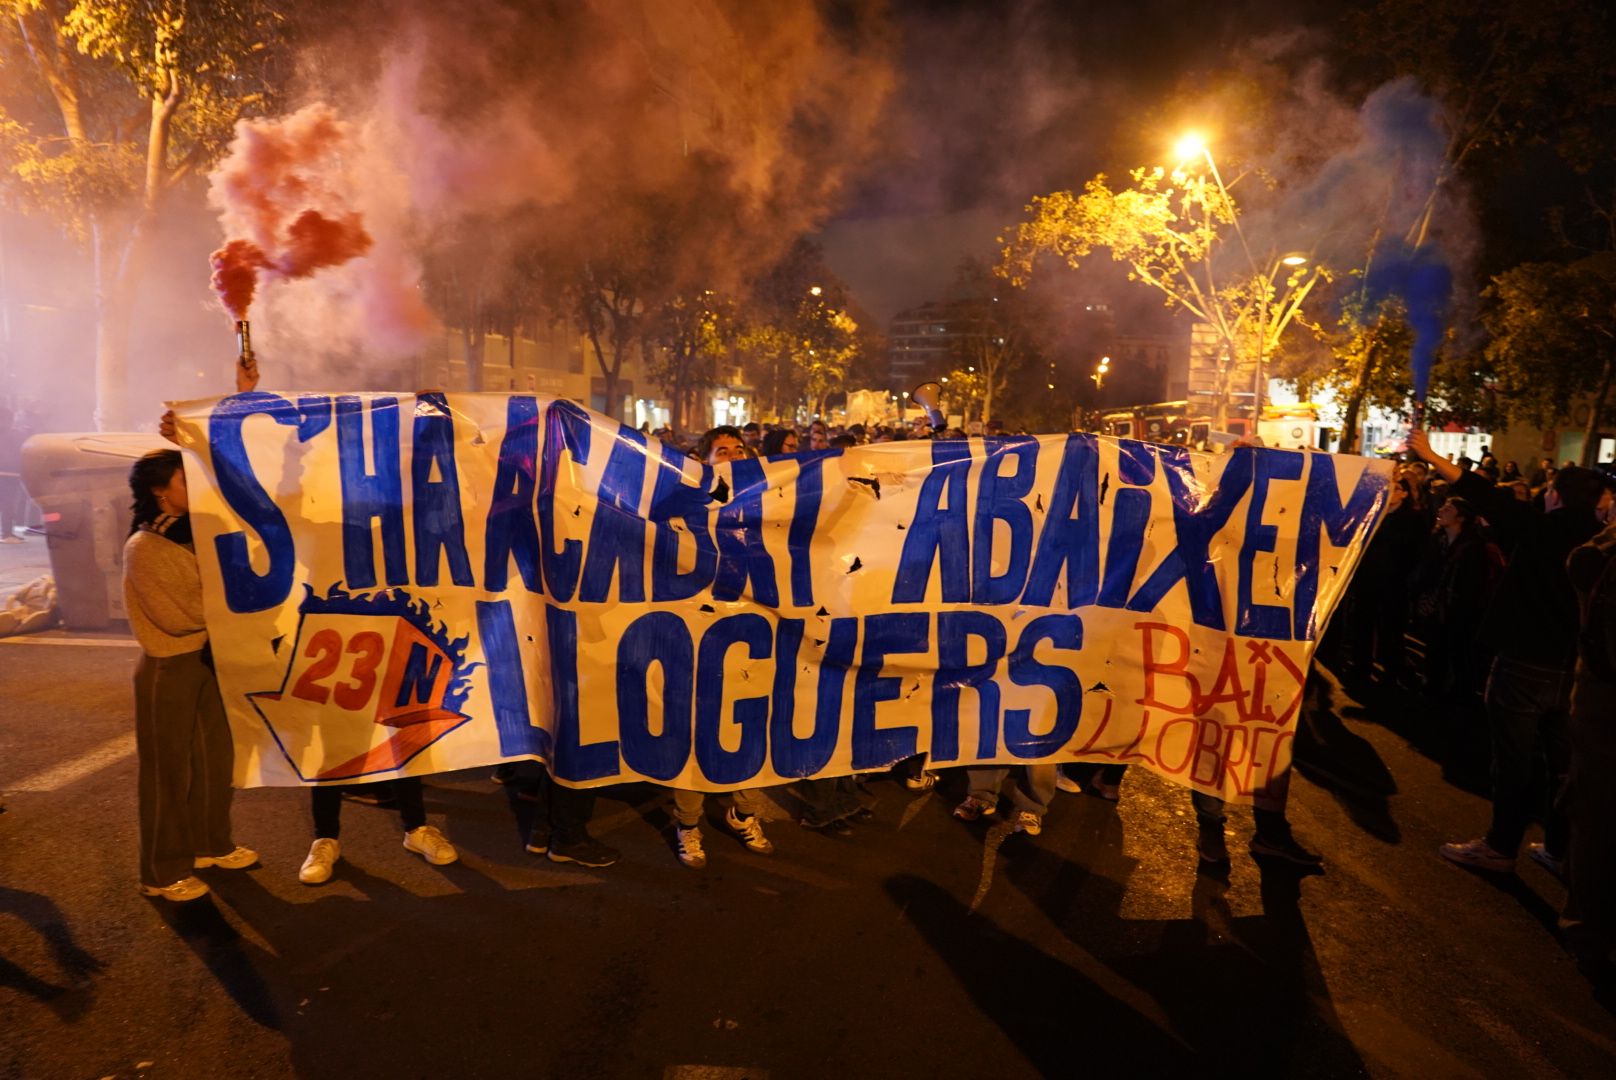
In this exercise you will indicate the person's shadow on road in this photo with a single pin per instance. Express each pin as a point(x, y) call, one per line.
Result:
point(1209, 993)
point(41, 914)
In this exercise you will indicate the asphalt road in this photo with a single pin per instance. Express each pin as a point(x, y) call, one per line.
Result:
point(920, 947)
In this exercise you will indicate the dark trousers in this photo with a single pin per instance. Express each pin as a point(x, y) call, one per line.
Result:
point(1527, 708)
point(1267, 808)
point(566, 810)
point(327, 802)
point(186, 756)
point(1373, 625)
point(828, 799)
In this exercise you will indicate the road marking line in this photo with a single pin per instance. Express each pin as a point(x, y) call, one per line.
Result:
point(113, 643)
point(107, 753)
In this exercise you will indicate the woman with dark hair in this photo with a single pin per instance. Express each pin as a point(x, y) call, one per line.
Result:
point(779, 441)
point(181, 737)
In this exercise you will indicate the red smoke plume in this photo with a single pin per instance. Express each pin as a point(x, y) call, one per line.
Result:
point(277, 169)
point(235, 275)
point(315, 241)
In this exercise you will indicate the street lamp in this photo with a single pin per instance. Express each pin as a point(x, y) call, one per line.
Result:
point(1101, 370)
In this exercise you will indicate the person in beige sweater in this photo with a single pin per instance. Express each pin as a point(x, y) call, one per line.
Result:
point(181, 737)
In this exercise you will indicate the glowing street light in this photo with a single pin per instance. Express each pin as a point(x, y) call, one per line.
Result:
point(1101, 370)
point(1190, 145)
point(814, 290)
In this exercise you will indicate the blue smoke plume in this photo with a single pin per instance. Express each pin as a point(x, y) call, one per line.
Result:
point(1422, 278)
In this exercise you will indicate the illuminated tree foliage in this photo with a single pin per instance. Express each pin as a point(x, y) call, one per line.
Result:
point(108, 105)
point(690, 334)
point(1172, 231)
point(1553, 341)
point(797, 338)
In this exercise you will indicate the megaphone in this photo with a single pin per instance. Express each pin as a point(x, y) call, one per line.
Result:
point(927, 395)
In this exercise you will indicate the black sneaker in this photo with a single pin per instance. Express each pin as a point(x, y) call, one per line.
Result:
point(1284, 847)
point(538, 841)
point(585, 852)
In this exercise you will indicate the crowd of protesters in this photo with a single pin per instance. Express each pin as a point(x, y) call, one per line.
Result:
point(767, 440)
point(1489, 590)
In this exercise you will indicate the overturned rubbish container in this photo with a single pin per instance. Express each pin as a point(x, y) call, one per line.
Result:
point(81, 484)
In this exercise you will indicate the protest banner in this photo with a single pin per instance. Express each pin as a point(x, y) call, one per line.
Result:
point(403, 585)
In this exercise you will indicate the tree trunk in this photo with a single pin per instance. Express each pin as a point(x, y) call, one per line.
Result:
point(678, 392)
point(117, 274)
point(1355, 400)
point(112, 308)
point(1596, 413)
point(609, 373)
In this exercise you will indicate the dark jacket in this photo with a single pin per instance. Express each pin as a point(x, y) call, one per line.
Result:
point(1533, 614)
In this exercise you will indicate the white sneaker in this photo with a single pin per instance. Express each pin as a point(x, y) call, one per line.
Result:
point(690, 852)
point(1067, 784)
point(239, 859)
point(323, 855)
point(188, 888)
point(431, 845)
point(1029, 823)
point(924, 782)
point(750, 830)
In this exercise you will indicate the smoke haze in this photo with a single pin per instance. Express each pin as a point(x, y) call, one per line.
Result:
point(722, 128)
point(906, 136)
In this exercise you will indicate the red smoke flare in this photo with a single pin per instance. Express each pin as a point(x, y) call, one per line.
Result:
point(279, 191)
point(235, 275)
point(314, 242)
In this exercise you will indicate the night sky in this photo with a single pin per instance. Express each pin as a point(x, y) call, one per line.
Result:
point(1000, 101)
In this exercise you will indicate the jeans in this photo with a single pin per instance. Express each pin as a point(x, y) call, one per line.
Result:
point(687, 805)
point(1032, 792)
point(1527, 709)
point(327, 803)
